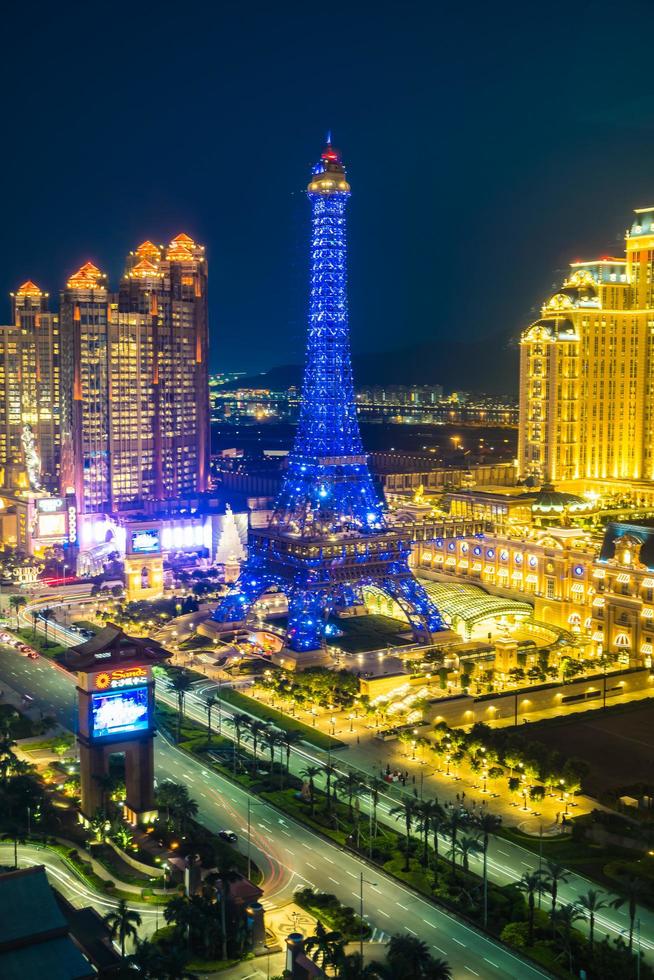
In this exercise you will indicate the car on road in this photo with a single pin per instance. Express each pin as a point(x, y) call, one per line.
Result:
point(228, 835)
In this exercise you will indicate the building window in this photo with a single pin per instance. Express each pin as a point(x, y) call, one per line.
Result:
point(549, 588)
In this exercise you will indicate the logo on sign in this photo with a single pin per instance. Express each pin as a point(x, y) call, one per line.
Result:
point(121, 677)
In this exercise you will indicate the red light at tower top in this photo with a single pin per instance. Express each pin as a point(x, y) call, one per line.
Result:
point(330, 155)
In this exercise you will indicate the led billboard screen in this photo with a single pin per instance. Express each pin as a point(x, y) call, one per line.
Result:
point(119, 712)
point(146, 541)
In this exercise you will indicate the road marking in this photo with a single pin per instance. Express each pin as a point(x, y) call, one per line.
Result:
point(286, 833)
point(325, 858)
point(313, 868)
point(308, 847)
point(352, 874)
point(428, 923)
point(526, 864)
point(505, 853)
point(402, 906)
point(459, 942)
point(486, 960)
point(433, 946)
point(381, 912)
point(470, 970)
point(333, 879)
point(411, 931)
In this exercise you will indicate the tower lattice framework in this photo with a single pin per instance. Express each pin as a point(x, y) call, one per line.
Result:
point(328, 537)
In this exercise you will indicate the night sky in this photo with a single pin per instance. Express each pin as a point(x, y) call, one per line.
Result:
point(487, 145)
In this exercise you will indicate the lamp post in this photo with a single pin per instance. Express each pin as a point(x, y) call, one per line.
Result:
point(373, 884)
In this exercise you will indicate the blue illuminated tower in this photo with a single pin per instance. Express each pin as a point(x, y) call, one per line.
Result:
point(328, 537)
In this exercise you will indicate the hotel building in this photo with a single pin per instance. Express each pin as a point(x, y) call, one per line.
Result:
point(30, 393)
point(586, 389)
point(135, 383)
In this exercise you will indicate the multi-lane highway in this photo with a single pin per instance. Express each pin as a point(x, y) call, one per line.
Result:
point(290, 854)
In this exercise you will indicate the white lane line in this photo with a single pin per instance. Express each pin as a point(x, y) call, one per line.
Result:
point(470, 970)
point(411, 931)
point(306, 845)
point(433, 946)
point(329, 860)
point(459, 942)
point(505, 853)
point(402, 906)
point(333, 879)
point(351, 874)
point(428, 923)
point(381, 912)
point(312, 866)
point(486, 960)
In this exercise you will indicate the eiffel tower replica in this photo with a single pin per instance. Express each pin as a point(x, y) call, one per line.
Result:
point(329, 536)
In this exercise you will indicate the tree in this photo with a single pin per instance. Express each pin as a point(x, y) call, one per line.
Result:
point(257, 728)
point(438, 825)
point(327, 947)
point(591, 903)
point(209, 705)
point(564, 918)
point(425, 811)
point(181, 684)
point(487, 823)
point(409, 959)
point(122, 924)
point(289, 739)
point(17, 602)
point(241, 721)
point(553, 875)
point(405, 810)
point(530, 885)
point(375, 787)
point(457, 820)
point(635, 890)
point(310, 774)
point(467, 845)
point(271, 737)
point(46, 616)
point(351, 785)
point(329, 772)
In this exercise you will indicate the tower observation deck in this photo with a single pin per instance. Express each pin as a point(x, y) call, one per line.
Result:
point(328, 537)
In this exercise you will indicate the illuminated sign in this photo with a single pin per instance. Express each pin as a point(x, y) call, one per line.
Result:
point(51, 505)
point(146, 541)
point(120, 712)
point(72, 524)
point(121, 677)
point(52, 525)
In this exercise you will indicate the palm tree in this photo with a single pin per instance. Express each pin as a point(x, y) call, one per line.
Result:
point(466, 846)
point(327, 947)
point(634, 889)
point(375, 787)
point(241, 721)
point(223, 878)
point(425, 810)
point(350, 784)
point(122, 924)
point(438, 825)
point(329, 772)
point(17, 602)
point(554, 874)
point(145, 958)
point(46, 616)
point(310, 774)
point(408, 957)
point(257, 729)
point(406, 810)
point(531, 884)
point(272, 740)
point(457, 820)
point(181, 683)
point(591, 903)
point(564, 919)
point(487, 823)
point(289, 739)
point(352, 967)
point(209, 705)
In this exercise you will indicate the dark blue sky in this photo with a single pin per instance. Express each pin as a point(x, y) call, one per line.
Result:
point(487, 145)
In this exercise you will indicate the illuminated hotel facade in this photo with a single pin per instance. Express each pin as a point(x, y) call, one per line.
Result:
point(30, 391)
point(586, 381)
point(136, 397)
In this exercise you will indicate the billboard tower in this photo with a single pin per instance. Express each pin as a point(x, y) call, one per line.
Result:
point(329, 536)
point(115, 700)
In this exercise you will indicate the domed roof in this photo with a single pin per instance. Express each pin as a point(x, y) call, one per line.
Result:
point(549, 500)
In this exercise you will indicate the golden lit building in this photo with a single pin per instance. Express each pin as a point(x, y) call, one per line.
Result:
point(30, 431)
point(136, 393)
point(586, 393)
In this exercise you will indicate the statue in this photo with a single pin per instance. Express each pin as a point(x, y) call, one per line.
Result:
point(32, 458)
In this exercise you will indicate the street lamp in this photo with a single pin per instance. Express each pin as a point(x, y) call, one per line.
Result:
point(373, 884)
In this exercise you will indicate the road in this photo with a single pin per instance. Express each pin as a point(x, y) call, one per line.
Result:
point(289, 854)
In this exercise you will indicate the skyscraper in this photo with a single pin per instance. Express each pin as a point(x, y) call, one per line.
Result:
point(30, 392)
point(136, 417)
point(328, 538)
point(586, 389)
point(169, 286)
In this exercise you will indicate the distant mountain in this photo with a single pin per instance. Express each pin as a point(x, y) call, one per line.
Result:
point(488, 364)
